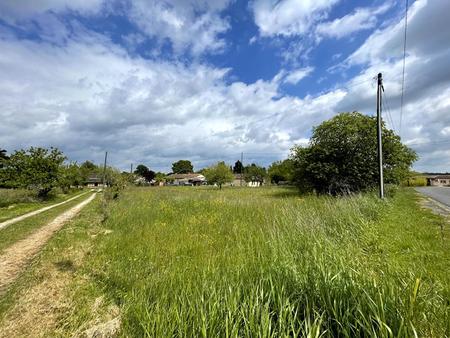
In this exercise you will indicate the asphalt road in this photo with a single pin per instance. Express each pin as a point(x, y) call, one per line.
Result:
point(440, 194)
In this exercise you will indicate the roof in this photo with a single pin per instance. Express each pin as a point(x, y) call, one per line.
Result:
point(186, 176)
point(439, 177)
point(94, 179)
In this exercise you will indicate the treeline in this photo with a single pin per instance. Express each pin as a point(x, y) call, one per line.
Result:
point(43, 170)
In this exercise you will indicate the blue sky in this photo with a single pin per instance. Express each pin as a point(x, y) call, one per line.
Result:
point(157, 81)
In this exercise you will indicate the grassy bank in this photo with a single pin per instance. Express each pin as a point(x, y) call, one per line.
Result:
point(16, 202)
point(247, 262)
point(265, 262)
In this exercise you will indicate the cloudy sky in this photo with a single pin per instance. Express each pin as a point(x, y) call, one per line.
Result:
point(156, 81)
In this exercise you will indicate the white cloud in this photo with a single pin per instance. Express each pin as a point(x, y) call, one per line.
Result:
point(360, 19)
point(13, 10)
point(192, 25)
point(289, 17)
point(297, 75)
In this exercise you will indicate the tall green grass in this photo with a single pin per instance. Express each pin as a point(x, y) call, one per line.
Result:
point(265, 263)
point(12, 196)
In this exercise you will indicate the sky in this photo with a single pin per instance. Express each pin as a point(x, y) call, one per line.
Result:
point(154, 82)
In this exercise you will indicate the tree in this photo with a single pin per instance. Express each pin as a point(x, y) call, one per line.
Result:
point(238, 167)
point(182, 167)
point(35, 168)
point(281, 171)
point(88, 168)
point(342, 156)
point(254, 173)
point(219, 174)
point(144, 172)
point(3, 157)
point(160, 177)
point(70, 176)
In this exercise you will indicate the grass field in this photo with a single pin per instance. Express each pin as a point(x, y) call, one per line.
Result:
point(256, 262)
point(16, 202)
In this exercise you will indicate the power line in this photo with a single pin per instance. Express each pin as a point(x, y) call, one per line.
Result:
point(386, 105)
point(403, 71)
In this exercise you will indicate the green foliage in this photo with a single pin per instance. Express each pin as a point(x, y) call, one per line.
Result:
point(342, 156)
point(144, 172)
point(3, 157)
point(415, 181)
point(281, 171)
point(182, 167)
point(219, 174)
point(254, 173)
point(160, 177)
point(87, 168)
point(70, 176)
point(35, 168)
point(238, 167)
point(14, 196)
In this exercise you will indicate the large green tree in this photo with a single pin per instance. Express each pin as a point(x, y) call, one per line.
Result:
point(145, 172)
point(35, 168)
point(281, 171)
point(182, 167)
point(3, 157)
point(70, 176)
point(342, 156)
point(219, 174)
point(238, 167)
point(254, 173)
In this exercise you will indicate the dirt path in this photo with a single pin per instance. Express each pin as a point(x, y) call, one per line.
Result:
point(14, 258)
point(35, 212)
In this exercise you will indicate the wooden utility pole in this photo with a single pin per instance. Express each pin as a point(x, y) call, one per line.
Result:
point(131, 168)
point(379, 135)
point(104, 169)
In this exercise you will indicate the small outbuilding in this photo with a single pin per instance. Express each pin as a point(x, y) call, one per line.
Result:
point(94, 181)
point(439, 180)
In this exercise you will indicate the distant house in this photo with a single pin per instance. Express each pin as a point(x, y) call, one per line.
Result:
point(186, 179)
point(439, 180)
point(94, 181)
point(238, 180)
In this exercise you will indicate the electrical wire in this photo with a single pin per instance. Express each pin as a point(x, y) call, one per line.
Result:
point(403, 71)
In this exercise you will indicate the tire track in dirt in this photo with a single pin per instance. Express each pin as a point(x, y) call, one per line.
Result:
point(35, 212)
point(15, 258)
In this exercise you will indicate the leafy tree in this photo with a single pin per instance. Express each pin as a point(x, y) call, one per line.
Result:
point(3, 157)
point(144, 172)
point(238, 167)
point(342, 156)
point(160, 177)
point(182, 167)
point(35, 168)
point(70, 175)
point(219, 174)
point(254, 173)
point(281, 171)
point(87, 168)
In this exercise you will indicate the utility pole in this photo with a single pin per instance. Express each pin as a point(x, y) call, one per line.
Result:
point(131, 168)
point(104, 169)
point(379, 134)
point(242, 166)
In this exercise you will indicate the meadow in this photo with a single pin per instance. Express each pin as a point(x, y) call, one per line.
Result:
point(269, 262)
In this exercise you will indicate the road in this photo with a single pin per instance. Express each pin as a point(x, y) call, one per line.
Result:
point(440, 194)
point(14, 258)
